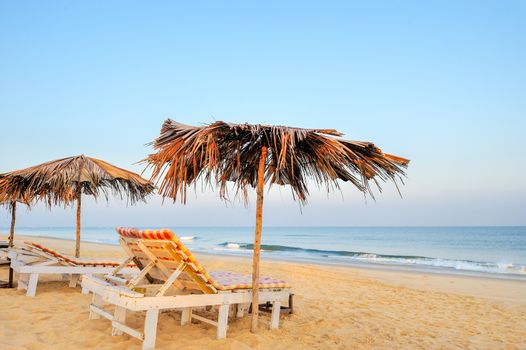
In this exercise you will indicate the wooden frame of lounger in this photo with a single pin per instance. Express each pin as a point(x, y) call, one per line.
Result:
point(29, 262)
point(120, 292)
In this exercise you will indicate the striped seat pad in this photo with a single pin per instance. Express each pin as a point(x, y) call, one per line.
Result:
point(220, 280)
point(76, 261)
point(231, 280)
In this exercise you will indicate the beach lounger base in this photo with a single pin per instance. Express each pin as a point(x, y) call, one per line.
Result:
point(29, 264)
point(171, 278)
point(126, 300)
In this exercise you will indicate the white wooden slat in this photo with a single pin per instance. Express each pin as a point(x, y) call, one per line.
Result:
point(81, 270)
point(242, 309)
point(170, 280)
point(119, 317)
point(22, 285)
point(150, 329)
point(45, 263)
point(128, 330)
point(274, 317)
point(142, 274)
point(194, 300)
point(186, 316)
point(23, 278)
point(32, 285)
point(204, 319)
point(97, 302)
point(159, 264)
point(99, 311)
point(222, 321)
point(73, 280)
point(116, 279)
point(123, 265)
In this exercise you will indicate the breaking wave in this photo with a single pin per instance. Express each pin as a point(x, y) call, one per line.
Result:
point(187, 238)
point(465, 265)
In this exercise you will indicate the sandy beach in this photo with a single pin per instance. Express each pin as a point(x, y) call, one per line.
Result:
point(335, 308)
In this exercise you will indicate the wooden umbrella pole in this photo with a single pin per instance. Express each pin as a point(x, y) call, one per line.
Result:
point(13, 221)
point(257, 240)
point(77, 243)
point(12, 241)
point(79, 196)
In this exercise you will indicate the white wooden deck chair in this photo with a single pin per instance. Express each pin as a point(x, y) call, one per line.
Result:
point(32, 260)
point(171, 278)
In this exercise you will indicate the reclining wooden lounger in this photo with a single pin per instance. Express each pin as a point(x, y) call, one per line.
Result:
point(171, 278)
point(33, 259)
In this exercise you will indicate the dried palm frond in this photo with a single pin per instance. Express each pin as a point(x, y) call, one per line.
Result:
point(221, 152)
point(8, 200)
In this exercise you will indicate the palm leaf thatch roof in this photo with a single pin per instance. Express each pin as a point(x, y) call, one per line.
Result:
point(221, 152)
point(57, 182)
point(6, 199)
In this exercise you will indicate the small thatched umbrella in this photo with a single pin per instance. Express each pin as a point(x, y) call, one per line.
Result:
point(250, 155)
point(63, 181)
point(10, 203)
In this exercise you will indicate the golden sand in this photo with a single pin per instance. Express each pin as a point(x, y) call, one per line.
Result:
point(335, 308)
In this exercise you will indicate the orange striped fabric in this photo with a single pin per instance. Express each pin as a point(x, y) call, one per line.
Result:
point(220, 280)
point(72, 260)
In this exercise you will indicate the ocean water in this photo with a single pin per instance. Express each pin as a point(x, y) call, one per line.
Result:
point(500, 251)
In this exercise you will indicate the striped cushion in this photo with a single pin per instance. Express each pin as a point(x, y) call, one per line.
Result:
point(231, 280)
point(73, 260)
point(219, 280)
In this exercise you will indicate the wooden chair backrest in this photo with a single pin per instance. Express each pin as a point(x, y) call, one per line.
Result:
point(171, 253)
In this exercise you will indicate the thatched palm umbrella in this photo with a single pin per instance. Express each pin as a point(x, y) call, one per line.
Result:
point(250, 155)
point(10, 203)
point(63, 181)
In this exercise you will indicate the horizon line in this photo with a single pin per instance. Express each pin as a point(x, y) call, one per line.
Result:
point(273, 226)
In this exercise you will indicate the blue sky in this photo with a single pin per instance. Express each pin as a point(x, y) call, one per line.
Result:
point(442, 83)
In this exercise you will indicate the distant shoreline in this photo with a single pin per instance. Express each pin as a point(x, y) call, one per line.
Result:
point(418, 270)
point(6, 228)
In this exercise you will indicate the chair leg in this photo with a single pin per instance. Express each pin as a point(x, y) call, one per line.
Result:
point(150, 329)
point(241, 309)
point(73, 280)
point(22, 280)
point(32, 285)
point(84, 289)
point(274, 317)
point(119, 316)
point(186, 316)
point(232, 311)
point(97, 301)
point(222, 321)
